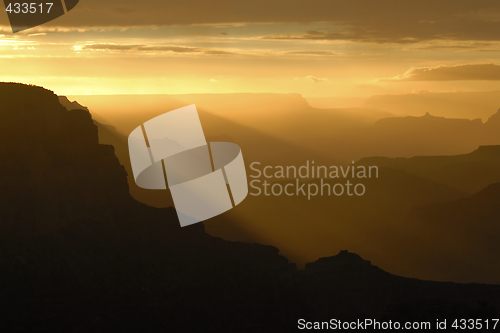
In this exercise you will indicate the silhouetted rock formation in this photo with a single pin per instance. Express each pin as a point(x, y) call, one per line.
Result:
point(493, 122)
point(461, 104)
point(78, 253)
point(71, 105)
point(468, 172)
point(54, 169)
point(74, 239)
point(347, 286)
point(425, 135)
point(345, 262)
point(471, 231)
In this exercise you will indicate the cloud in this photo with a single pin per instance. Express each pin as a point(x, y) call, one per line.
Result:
point(388, 21)
point(218, 52)
point(345, 34)
point(441, 46)
point(316, 79)
point(196, 50)
point(314, 53)
point(157, 48)
point(450, 73)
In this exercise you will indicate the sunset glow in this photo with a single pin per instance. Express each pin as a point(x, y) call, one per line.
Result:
point(132, 51)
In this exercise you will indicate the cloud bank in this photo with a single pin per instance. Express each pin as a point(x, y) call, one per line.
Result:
point(387, 21)
point(450, 73)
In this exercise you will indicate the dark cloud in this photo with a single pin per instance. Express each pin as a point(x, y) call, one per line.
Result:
point(451, 73)
point(400, 21)
point(457, 46)
point(446, 47)
point(346, 34)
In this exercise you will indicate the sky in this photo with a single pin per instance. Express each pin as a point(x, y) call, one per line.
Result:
point(337, 49)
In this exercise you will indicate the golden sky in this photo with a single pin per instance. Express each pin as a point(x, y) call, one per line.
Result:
point(320, 48)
